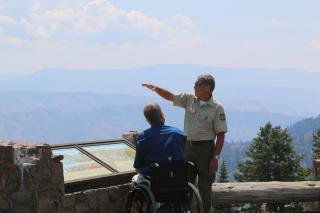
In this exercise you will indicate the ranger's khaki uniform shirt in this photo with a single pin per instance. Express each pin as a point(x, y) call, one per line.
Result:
point(201, 122)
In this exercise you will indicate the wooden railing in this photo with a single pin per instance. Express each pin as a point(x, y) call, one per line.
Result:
point(268, 192)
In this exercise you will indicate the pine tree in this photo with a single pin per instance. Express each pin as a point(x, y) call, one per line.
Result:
point(271, 157)
point(316, 145)
point(223, 173)
point(222, 178)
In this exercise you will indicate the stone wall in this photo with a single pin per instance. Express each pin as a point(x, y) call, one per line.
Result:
point(104, 200)
point(31, 179)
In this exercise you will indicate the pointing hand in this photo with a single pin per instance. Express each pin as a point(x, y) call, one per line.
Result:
point(149, 86)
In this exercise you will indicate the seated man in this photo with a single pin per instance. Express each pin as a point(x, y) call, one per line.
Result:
point(159, 144)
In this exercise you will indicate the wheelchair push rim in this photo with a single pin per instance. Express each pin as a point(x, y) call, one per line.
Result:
point(140, 200)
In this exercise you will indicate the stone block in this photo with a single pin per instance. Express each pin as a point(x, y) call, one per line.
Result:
point(130, 136)
point(69, 201)
point(81, 202)
point(44, 151)
point(124, 189)
point(107, 209)
point(24, 202)
point(81, 207)
point(103, 199)
point(57, 158)
point(45, 176)
point(49, 202)
point(10, 179)
point(31, 177)
point(30, 151)
point(6, 154)
point(4, 203)
point(68, 210)
point(56, 173)
point(114, 193)
point(20, 155)
point(93, 202)
point(120, 192)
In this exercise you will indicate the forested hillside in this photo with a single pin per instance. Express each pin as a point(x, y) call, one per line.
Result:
point(302, 133)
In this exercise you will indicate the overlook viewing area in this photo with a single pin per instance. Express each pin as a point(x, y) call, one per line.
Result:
point(95, 177)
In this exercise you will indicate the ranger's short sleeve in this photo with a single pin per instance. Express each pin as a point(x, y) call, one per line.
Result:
point(220, 121)
point(180, 100)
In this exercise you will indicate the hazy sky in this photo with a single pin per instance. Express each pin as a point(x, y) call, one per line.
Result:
point(101, 34)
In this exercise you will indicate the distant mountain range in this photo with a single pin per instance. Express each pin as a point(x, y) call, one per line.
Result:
point(65, 117)
point(287, 92)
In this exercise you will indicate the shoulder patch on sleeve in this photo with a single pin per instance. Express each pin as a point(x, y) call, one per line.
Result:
point(222, 117)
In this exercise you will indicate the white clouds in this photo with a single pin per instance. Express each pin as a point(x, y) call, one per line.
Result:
point(36, 31)
point(14, 41)
point(65, 14)
point(36, 6)
point(7, 21)
point(84, 33)
point(147, 24)
point(278, 24)
point(98, 17)
point(314, 44)
point(102, 34)
point(182, 20)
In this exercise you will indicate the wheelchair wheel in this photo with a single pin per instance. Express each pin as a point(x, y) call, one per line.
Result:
point(140, 200)
point(196, 205)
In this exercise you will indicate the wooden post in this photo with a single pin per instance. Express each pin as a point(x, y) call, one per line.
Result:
point(316, 169)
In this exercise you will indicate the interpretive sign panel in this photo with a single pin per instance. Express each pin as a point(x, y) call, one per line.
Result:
point(77, 165)
point(119, 156)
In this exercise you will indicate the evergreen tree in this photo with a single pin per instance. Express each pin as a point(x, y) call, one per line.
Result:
point(222, 178)
point(223, 173)
point(316, 145)
point(271, 157)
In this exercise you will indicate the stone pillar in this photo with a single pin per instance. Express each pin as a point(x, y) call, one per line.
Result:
point(31, 179)
point(130, 136)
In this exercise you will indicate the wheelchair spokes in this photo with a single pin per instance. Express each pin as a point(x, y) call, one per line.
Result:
point(140, 200)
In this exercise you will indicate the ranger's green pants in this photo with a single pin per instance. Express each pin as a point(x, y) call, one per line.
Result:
point(201, 155)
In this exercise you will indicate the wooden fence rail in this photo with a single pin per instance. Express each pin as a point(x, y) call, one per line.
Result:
point(256, 192)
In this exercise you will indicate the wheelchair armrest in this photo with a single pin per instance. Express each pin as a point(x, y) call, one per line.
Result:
point(154, 164)
point(192, 171)
point(189, 163)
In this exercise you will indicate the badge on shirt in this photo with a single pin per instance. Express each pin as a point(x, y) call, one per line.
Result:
point(222, 117)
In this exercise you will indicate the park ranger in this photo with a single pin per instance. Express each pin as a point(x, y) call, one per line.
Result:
point(205, 126)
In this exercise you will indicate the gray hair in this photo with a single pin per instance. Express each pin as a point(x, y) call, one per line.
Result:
point(207, 79)
point(152, 112)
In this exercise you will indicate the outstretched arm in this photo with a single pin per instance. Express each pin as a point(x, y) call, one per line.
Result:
point(160, 91)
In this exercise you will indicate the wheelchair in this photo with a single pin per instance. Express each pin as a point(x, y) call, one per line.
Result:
point(169, 190)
